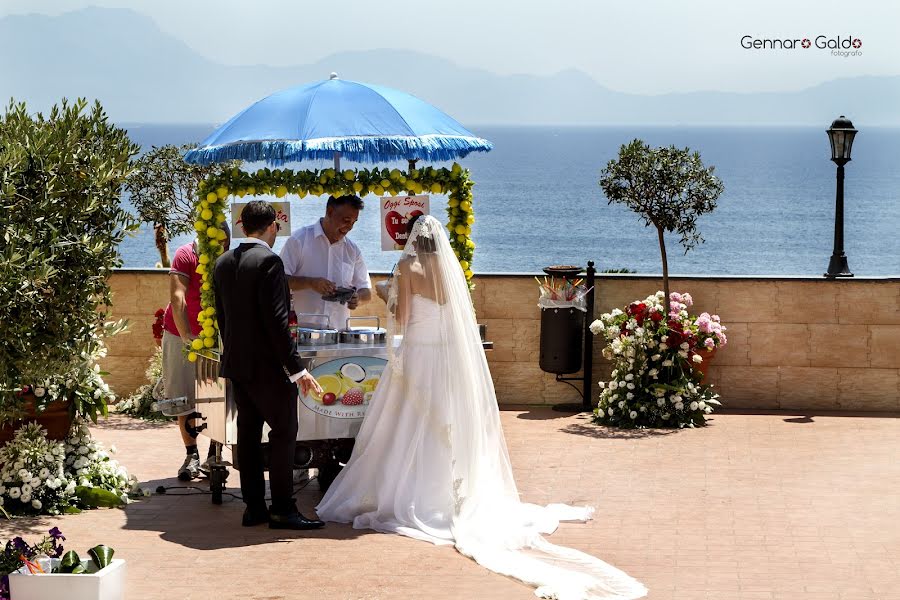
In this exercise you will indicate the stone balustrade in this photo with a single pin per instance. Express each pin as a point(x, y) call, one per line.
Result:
point(794, 343)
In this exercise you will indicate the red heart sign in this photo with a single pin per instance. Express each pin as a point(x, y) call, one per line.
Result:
point(395, 224)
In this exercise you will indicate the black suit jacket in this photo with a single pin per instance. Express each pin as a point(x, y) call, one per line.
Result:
point(252, 305)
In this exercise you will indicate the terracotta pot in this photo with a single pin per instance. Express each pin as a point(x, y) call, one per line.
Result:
point(703, 367)
point(56, 419)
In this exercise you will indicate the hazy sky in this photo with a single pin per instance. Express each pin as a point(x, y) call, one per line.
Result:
point(645, 46)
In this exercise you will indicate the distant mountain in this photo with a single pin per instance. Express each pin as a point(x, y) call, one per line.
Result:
point(142, 74)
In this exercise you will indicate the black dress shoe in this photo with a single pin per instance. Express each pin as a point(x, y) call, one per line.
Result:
point(255, 517)
point(293, 521)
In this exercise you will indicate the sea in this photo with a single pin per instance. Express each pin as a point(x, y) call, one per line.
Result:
point(538, 202)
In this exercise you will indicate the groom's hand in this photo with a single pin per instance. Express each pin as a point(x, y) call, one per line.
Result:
point(307, 383)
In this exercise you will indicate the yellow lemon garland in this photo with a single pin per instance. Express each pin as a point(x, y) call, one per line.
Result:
point(214, 191)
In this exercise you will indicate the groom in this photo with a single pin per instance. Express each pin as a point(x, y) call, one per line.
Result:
point(264, 368)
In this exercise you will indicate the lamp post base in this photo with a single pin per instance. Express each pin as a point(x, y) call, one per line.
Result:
point(838, 267)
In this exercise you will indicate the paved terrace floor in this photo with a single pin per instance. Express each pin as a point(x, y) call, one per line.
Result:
point(755, 506)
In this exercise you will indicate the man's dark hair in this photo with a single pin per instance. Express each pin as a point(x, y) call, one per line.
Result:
point(425, 242)
point(257, 215)
point(348, 200)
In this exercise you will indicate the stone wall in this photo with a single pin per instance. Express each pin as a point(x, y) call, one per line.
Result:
point(796, 343)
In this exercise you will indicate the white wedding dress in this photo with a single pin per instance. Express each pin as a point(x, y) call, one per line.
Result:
point(430, 461)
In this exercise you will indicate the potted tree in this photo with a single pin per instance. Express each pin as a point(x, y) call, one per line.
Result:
point(61, 222)
point(669, 188)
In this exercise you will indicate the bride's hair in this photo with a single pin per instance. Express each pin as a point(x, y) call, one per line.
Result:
point(424, 243)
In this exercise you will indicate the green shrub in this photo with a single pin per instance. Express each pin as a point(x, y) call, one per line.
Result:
point(61, 222)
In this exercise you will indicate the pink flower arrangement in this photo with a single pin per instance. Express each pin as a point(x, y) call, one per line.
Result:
point(656, 379)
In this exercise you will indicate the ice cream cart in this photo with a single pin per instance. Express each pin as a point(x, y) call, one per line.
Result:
point(347, 364)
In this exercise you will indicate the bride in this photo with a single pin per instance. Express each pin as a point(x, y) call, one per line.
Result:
point(430, 460)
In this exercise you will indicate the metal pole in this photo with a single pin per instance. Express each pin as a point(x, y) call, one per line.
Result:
point(337, 162)
point(837, 266)
point(588, 340)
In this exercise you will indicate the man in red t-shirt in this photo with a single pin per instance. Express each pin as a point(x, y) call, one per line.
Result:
point(180, 327)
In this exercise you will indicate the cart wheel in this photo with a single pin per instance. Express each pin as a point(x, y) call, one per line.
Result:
point(327, 473)
point(217, 476)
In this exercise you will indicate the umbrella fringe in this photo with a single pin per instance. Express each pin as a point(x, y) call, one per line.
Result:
point(366, 149)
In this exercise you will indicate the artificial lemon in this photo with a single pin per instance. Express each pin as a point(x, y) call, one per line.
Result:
point(192, 356)
point(211, 197)
point(206, 214)
point(197, 343)
point(436, 188)
point(330, 383)
point(209, 342)
point(221, 192)
point(349, 175)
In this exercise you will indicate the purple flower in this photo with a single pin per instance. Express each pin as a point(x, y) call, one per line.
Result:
point(4, 588)
point(56, 534)
point(19, 545)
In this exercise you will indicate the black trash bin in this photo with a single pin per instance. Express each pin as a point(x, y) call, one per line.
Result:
point(562, 340)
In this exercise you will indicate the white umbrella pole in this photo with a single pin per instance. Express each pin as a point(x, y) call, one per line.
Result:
point(337, 161)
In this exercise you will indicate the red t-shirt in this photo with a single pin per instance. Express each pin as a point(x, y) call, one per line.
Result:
point(185, 264)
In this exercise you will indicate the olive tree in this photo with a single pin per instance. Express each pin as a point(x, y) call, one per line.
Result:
point(163, 191)
point(668, 187)
point(61, 223)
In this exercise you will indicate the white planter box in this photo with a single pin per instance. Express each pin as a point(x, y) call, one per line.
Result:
point(105, 584)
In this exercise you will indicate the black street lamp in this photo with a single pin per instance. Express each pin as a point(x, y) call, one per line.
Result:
point(840, 134)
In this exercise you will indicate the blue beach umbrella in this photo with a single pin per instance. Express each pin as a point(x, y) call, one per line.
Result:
point(338, 118)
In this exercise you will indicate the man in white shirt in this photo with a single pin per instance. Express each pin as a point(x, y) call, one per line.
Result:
point(319, 258)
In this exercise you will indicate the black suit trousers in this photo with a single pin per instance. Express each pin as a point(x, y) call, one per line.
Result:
point(272, 401)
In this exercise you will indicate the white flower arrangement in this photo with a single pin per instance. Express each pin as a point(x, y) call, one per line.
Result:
point(38, 475)
point(27, 454)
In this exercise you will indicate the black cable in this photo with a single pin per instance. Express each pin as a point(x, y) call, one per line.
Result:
point(164, 491)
